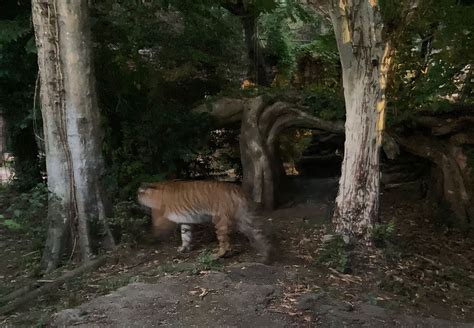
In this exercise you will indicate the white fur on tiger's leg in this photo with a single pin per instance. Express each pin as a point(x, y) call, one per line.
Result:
point(186, 238)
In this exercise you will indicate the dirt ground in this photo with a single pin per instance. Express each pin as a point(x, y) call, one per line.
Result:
point(423, 276)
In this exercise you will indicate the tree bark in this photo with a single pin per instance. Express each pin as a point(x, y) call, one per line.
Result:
point(83, 121)
point(365, 59)
point(58, 163)
point(256, 70)
point(71, 127)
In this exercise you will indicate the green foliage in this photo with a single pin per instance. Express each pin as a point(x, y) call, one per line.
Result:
point(127, 224)
point(228, 157)
point(336, 254)
point(325, 103)
point(26, 213)
point(12, 30)
point(12, 225)
point(161, 58)
point(293, 143)
point(432, 56)
point(159, 143)
point(292, 31)
point(276, 36)
point(383, 234)
point(206, 262)
point(18, 68)
point(324, 47)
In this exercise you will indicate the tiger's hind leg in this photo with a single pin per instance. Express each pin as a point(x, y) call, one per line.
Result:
point(186, 238)
point(222, 225)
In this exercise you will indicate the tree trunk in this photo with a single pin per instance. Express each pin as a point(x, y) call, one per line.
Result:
point(451, 182)
point(257, 171)
point(256, 63)
point(71, 127)
point(365, 59)
point(262, 122)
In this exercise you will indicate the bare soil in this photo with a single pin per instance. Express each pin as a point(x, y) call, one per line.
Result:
point(423, 276)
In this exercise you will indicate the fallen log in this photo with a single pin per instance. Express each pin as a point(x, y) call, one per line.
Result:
point(40, 290)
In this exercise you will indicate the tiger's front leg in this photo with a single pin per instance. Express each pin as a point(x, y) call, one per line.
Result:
point(186, 238)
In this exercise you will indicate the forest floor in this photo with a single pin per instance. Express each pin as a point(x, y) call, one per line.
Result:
point(423, 276)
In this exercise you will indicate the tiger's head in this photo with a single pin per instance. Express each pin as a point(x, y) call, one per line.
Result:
point(148, 194)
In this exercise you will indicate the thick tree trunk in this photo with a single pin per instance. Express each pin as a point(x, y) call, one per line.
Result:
point(83, 120)
point(358, 30)
point(262, 122)
point(71, 127)
point(58, 163)
point(257, 171)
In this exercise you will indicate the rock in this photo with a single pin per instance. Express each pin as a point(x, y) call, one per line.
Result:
point(310, 301)
point(68, 316)
point(238, 298)
point(346, 306)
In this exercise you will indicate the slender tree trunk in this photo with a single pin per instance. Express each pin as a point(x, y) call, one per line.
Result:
point(71, 127)
point(256, 70)
point(256, 63)
point(365, 60)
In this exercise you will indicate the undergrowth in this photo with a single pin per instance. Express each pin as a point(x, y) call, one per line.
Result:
point(25, 212)
point(336, 254)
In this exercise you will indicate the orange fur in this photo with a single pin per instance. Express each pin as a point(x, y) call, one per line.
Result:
point(189, 202)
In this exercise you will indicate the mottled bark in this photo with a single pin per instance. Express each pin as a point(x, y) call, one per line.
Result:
point(364, 58)
point(71, 128)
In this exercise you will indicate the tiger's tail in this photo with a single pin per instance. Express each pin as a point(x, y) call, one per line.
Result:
point(247, 225)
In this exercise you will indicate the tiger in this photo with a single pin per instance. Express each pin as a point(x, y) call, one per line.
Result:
point(202, 201)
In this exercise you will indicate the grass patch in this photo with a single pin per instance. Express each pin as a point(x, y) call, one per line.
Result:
point(206, 262)
point(383, 235)
point(336, 254)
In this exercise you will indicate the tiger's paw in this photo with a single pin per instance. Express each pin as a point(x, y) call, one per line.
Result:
point(222, 253)
point(184, 249)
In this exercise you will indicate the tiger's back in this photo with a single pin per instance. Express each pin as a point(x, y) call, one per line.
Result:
point(189, 201)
